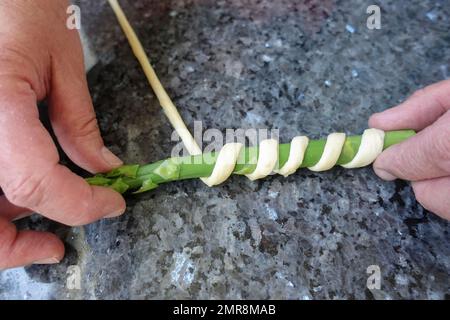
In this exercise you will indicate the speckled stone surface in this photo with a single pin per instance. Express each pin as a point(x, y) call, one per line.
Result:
point(310, 68)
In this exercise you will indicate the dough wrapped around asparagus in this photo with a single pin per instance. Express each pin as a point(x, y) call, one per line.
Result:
point(285, 159)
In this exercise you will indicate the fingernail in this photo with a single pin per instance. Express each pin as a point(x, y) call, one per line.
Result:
point(116, 213)
point(47, 261)
point(22, 215)
point(111, 158)
point(383, 174)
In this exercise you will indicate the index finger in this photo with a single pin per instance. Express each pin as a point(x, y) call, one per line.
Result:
point(419, 111)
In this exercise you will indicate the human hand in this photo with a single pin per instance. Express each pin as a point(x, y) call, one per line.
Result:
point(425, 158)
point(40, 58)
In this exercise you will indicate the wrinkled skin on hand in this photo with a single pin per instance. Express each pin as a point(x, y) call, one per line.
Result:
point(425, 158)
point(40, 58)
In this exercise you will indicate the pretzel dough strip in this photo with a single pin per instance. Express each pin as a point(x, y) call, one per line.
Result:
point(331, 153)
point(371, 146)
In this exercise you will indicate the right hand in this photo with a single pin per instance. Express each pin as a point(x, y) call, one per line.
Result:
point(425, 158)
point(40, 58)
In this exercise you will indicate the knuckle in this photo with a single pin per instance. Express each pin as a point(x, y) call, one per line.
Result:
point(84, 212)
point(406, 166)
point(419, 93)
point(11, 55)
point(440, 145)
point(26, 192)
point(446, 142)
point(85, 127)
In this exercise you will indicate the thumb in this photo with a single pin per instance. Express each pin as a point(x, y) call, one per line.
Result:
point(72, 114)
point(424, 156)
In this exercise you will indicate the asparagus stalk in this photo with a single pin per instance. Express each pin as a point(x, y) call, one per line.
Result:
point(142, 178)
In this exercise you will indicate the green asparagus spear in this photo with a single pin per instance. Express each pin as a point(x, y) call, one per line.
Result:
point(141, 178)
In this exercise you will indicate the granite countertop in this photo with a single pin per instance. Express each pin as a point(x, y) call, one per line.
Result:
point(310, 68)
